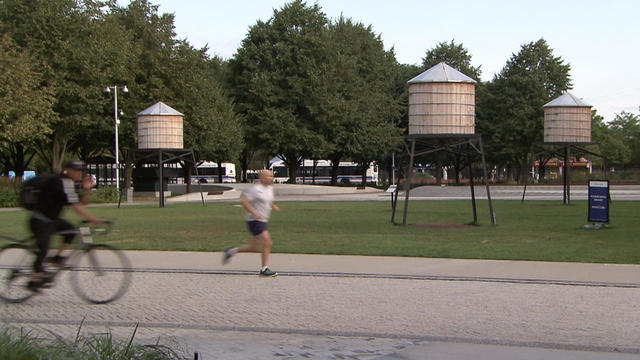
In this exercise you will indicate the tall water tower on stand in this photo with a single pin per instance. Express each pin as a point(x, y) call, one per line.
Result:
point(442, 118)
point(160, 142)
point(567, 127)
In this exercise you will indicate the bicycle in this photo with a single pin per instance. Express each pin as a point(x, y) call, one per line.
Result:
point(99, 273)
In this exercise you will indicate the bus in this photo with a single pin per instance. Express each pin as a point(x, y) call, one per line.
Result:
point(348, 172)
point(208, 172)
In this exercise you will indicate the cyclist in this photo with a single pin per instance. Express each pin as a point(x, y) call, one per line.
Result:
point(54, 194)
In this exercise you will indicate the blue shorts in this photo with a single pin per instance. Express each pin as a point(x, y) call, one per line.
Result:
point(257, 227)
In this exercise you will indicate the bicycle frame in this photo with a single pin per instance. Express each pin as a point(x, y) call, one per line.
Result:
point(87, 261)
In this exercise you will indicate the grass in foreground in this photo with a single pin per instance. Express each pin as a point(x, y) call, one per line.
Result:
point(535, 230)
point(19, 344)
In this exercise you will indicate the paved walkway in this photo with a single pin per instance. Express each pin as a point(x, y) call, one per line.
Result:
point(332, 307)
point(287, 192)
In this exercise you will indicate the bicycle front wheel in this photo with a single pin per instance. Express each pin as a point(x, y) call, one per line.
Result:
point(100, 274)
point(16, 266)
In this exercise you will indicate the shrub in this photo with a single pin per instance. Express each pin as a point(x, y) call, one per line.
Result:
point(105, 194)
point(9, 196)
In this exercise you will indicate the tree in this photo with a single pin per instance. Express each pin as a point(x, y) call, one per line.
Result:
point(211, 126)
point(73, 52)
point(622, 145)
point(455, 55)
point(273, 77)
point(359, 105)
point(25, 107)
point(510, 109)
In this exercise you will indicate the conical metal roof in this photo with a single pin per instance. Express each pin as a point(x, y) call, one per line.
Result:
point(160, 108)
point(567, 99)
point(442, 73)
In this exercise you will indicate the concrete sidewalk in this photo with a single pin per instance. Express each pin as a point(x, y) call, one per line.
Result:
point(407, 267)
point(366, 267)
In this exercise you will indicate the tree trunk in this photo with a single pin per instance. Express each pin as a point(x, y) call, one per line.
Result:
point(57, 153)
point(220, 174)
point(335, 168)
point(438, 171)
point(364, 167)
point(188, 171)
point(313, 172)
point(456, 167)
point(245, 158)
point(292, 165)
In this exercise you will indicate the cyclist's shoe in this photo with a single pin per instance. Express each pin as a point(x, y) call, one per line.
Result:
point(226, 256)
point(268, 272)
point(44, 280)
point(36, 285)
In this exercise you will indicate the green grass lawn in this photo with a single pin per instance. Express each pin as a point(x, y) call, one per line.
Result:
point(535, 230)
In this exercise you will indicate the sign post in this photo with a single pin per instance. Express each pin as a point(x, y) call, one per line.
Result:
point(598, 203)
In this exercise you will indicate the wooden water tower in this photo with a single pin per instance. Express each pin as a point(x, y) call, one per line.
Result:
point(442, 101)
point(160, 127)
point(567, 127)
point(442, 118)
point(567, 119)
point(160, 142)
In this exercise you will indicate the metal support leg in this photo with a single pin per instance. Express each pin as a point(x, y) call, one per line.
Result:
point(473, 191)
point(408, 182)
point(486, 181)
point(161, 178)
point(193, 156)
point(568, 164)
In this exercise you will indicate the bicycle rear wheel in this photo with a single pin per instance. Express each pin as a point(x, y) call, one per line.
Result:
point(16, 266)
point(100, 274)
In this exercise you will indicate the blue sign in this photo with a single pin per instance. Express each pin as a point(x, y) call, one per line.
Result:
point(599, 201)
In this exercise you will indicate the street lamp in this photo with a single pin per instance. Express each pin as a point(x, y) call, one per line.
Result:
point(116, 122)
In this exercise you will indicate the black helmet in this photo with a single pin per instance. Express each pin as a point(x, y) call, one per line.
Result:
point(74, 164)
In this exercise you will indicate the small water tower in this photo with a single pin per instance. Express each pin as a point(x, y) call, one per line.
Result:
point(442, 101)
point(567, 126)
point(567, 119)
point(160, 142)
point(160, 127)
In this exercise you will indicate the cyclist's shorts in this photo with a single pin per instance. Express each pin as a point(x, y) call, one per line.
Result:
point(257, 227)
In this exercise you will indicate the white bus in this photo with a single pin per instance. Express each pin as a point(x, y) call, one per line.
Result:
point(208, 172)
point(348, 172)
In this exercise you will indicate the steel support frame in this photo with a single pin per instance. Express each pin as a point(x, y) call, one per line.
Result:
point(563, 149)
point(161, 157)
point(451, 143)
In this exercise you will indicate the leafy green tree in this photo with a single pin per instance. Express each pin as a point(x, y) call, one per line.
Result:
point(359, 106)
point(510, 111)
point(212, 128)
point(622, 146)
point(455, 55)
point(273, 77)
point(73, 52)
point(25, 107)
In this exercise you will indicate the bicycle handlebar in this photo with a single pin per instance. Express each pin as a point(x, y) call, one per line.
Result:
point(103, 228)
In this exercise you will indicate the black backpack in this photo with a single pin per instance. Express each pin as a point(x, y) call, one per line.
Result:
point(31, 189)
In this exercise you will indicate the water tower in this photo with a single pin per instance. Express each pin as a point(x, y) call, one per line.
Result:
point(442, 118)
point(567, 128)
point(160, 142)
point(567, 119)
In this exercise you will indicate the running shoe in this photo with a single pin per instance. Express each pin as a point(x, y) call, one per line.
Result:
point(268, 272)
point(226, 256)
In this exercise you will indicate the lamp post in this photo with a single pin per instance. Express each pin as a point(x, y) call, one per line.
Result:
point(116, 122)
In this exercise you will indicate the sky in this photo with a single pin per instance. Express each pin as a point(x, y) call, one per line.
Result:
point(599, 39)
